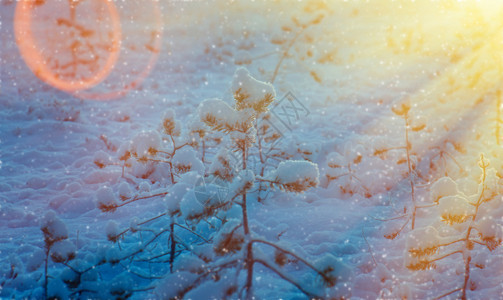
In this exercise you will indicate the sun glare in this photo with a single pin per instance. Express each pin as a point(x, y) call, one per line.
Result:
point(71, 45)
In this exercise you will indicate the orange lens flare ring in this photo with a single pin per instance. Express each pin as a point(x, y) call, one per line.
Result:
point(154, 47)
point(45, 65)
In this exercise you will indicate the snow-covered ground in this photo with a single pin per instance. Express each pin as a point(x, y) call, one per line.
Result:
point(357, 73)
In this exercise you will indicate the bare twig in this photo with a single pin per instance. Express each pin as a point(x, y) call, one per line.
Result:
point(390, 219)
point(136, 198)
point(294, 255)
point(288, 279)
point(447, 294)
point(368, 245)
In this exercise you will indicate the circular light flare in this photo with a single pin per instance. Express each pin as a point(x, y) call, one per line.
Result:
point(38, 63)
point(155, 48)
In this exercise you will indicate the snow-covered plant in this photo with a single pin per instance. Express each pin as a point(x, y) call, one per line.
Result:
point(341, 168)
point(157, 241)
point(466, 223)
point(441, 160)
point(297, 29)
point(410, 159)
point(56, 246)
point(268, 149)
point(149, 150)
point(236, 248)
point(204, 217)
point(421, 243)
point(164, 165)
point(294, 176)
point(202, 139)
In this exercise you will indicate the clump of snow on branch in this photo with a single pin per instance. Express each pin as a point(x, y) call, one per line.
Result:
point(121, 286)
point(57, 289)
point(63, 251)
point(421, 243)
point(145, 143)
point(250, 92)
point(295, 175)
point(230, 238)
point(492, 184)
point(102, 159)
point(175, 196)
point(174, 284)
point(53, 228)
point(144, 187)
point(222, 117)
point(112, 230)
point(454, 209)
point(191, 207)
point(242, 183)
point(333, 269)
point(125, 191)
point(186, 160)
point(490, 232)
point(489, 228)
point(443, 187)
point(423, 238)
point(169, 124)
point(221, 166)
point(105, 199)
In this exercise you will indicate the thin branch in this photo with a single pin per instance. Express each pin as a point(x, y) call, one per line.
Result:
point(450, 243)
point(145, 245)
point(191, 231)
point(209, 271)
point(405, 224)
point(426, 206)
point(455, 161)
point(140, 275)
point(141, 223)
point(143, 289)
point(368, 245)
point(153, 160)
point(152, 219)
point(360, 182)
point(141, 198)
point(292, 254)
point(285, 53)
point(72, 268)
point(286, 278)
point(390, 219)
point(483, 165)
point(264, 55)
point(479, 242)
point(447, 294)
point(165, 152)
point(82, 291)
point(152, 258)
point(377, 152)
point(446, 255)
point(181, 146)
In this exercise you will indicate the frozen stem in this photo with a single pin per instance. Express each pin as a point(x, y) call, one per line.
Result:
point(483, 165)
point(288, 279)
point(368, 245)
